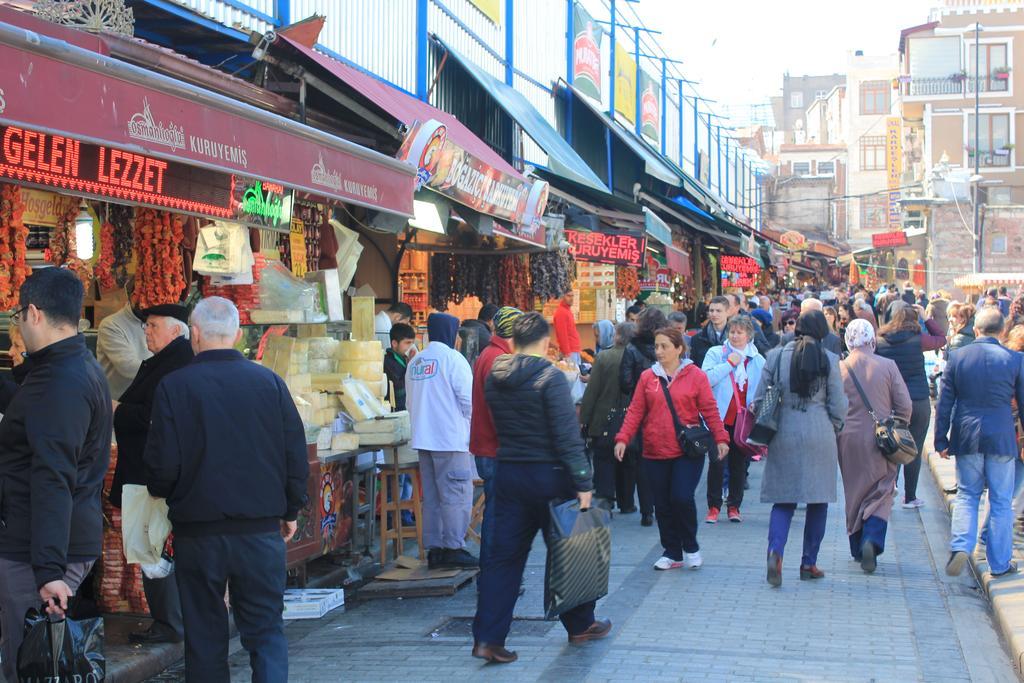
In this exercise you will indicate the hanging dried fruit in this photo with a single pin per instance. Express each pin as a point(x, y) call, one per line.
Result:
point(105, 264)
point(124, 240)
point(627, 283)
point(13, 268)
point(160, 277)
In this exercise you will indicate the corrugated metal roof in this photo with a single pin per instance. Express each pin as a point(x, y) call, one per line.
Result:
point(403, 107)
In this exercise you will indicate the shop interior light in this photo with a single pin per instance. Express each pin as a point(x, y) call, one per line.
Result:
point(427, 217)
point(710, 246)
point(83, 233)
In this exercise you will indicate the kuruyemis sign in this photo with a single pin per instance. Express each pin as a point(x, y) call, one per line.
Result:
point(620, 249)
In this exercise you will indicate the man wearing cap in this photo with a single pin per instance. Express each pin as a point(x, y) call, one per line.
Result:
point(483, 439)
point(439, 398)
point(166, 330)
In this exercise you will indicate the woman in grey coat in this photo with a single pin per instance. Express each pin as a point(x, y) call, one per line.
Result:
point(802, 461)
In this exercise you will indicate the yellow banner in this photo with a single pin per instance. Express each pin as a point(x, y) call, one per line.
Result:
point(297, 241)
point(44, 208)
point(893, 169)
point(625, 83)
point(490, 9)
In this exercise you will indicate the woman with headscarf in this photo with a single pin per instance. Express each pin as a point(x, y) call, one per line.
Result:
point(802, 458)
point(905, 339)
point(868, 477)
point(604, 336)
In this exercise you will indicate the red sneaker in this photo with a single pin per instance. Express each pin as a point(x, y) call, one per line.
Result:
point(712, 517)
point(734, 514)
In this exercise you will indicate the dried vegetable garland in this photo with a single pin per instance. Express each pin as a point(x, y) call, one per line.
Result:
point(13, 268)
point(105, 264)
point(160, 276)
point(514, 282)
point(63, 249)
point(124, 240)
point(551, 274)
point(627, 283)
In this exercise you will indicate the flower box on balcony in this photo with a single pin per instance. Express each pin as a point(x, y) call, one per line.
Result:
point(1001, 74)
point(959, 77)
point(1002, 152)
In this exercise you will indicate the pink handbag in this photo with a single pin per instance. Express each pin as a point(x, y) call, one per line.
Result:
point(745, 420)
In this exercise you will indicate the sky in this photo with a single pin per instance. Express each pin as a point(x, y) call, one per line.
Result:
point(740, 49)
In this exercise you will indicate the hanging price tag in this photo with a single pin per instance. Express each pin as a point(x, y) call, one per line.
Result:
point(297, 241)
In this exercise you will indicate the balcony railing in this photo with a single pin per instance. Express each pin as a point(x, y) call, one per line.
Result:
point(991, 159)
point(955, 85)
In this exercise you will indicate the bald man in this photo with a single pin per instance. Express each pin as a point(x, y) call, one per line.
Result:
point(830, 343)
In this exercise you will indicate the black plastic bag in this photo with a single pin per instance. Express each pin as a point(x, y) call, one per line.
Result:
point(579, 556)
point(56, 649)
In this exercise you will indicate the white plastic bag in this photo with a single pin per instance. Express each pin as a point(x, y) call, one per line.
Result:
point(144, 525)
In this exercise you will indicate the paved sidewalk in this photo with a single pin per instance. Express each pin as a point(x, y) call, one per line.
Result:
point(907, 622)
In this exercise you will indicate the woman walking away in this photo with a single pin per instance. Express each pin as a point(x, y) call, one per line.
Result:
point(604, 336)
point(541, 458)
point(673, 475)
point(638, 357)
point(601, 413)
point(868, 477)
point(734, 371)
point(802, 460)
point(904, 340)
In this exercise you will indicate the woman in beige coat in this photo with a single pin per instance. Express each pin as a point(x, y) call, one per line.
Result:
point(868, 477)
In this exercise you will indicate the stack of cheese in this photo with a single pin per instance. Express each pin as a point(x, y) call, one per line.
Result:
point(317, 408)
point(385, 430)
point(363, 360)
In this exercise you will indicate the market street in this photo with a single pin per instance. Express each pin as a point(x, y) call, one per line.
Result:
point(720, 623)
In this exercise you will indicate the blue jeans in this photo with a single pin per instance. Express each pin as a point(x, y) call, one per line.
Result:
point(674, 483)
point(814, 529)
point(487, 468)
point(974, 472)
point(1018, 486)
point(872, 530)
point(254, 566)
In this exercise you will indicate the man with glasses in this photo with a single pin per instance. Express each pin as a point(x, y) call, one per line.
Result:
point(54, 452)
point(166, 333)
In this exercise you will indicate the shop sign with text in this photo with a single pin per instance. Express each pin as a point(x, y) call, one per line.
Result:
point(889, 239)
point(658, 280)
point(893, 168)
point(621, 249)
point(586, 53)
point(448, 169)
point(262, 204)
point(738, 271)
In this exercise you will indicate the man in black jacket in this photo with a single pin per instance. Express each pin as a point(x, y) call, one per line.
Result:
point(166, 330)
point(541, 458)
point(54, 452)
point(714, 332)
point(227, 449)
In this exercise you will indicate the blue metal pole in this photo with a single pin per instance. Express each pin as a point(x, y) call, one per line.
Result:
point(726, 170)
point(696, 136)
point(421, 49)
point(283, 12)
point(611, 100)
point(718, 129)
point(709, 148)
point(664, 113)
point(509, 40)
point(681, 105)
point(636, 81)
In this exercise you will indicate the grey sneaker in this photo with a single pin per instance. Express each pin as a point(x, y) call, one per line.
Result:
point(955, 565)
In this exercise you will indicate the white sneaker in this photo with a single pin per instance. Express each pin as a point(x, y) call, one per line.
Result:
point(667, 563)
point(896, 492)
point(916, 503)
point(693, 560)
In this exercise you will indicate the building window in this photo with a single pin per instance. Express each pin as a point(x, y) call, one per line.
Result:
point(999, 196)
point(872, 153)
point(874, 212)
point(801, 168)
point(874, 97)
point(998, 244)
point(796, 100)
point(826, 168)
point(993, 74)
point(993, 139)
point(820, 94)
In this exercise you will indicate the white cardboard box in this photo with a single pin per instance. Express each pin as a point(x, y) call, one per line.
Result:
point(312, 603)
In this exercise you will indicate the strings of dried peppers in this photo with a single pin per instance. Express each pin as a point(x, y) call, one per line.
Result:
point(627, 283)
point(13, 268)
point(160, 275)
point(105, 263)
point(124, 240)
point(514, 282)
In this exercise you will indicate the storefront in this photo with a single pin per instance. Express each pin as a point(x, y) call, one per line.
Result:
point(115, 171)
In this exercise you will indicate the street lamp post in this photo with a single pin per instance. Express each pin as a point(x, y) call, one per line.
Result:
point(978, 244)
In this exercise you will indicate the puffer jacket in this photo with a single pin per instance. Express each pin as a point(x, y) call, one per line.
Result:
point(637, 357)
point(693, 401)
point(535, 417)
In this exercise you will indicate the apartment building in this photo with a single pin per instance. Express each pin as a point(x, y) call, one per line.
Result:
point(798, 93)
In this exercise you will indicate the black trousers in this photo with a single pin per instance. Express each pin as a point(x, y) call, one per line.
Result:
point(630, 476)
point(605, 469)
point(675, 483)
point(523, 491)
point(737, 462)
point(254, 566)
point(164, 606)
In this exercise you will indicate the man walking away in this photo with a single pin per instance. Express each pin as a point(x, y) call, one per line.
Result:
point(54, 452)
point(226, 448)
point(439, 387)
point(974, 422)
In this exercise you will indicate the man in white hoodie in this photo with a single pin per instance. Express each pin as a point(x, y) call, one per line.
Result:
point(439, 390)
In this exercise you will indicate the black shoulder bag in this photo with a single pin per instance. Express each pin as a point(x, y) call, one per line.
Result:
point(696, 441)
point(892, 436)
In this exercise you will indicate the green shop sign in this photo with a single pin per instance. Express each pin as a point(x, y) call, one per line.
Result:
point(262, 204)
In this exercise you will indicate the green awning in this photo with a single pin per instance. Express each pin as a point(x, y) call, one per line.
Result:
point(562, 158)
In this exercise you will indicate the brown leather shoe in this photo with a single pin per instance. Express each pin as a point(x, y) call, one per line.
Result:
point(494, 654)
point(597, 630)
point(808, 572)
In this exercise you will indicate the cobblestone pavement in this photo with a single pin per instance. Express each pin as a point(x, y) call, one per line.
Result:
point(907, 622)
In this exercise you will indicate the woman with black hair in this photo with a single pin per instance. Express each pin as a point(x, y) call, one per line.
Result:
point(802, 461)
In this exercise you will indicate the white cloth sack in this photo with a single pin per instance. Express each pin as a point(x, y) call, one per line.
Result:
point(144, 525)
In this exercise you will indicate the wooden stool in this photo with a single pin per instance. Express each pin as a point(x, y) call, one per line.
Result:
point(477, 518)
point(396, 531)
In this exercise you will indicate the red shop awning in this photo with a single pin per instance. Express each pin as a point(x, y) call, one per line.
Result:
point(53, 87)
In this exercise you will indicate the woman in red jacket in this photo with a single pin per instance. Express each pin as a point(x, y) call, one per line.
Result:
point(673, 476)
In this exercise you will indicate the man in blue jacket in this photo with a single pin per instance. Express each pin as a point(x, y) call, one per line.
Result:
point(226, 448)
point(974, 422)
